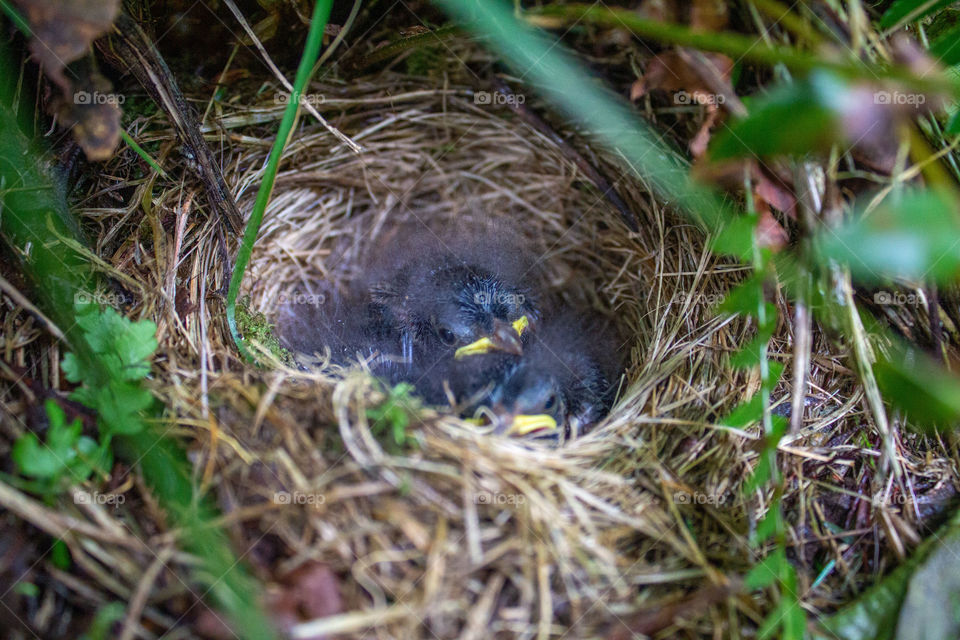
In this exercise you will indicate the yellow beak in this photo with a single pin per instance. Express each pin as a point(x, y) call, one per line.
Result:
point(501, 341)
point(525, 424)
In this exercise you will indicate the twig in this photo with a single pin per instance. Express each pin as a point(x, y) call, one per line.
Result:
point(132, 49)
point(139, 599)
point(283, 80)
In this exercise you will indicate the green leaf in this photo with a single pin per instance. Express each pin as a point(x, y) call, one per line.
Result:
point(74, 369)
point(35, 460)
point(51, 459)
point(914, 237)
point(911, 11)
point(745, 298)
point(750, 355)
point(774, 371)
point(766, 572)
point(794, 118)
point(947, 48)
point(110, 333)
point(107, 616)
point(746, 413)
point(953, 125)
point(119, 405)
point(915, 384)
point(60, 555)
point(736, 238)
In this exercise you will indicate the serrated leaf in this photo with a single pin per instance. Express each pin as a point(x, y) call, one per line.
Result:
point(35, 460)
point(745, 298)
point(119, 405)
point(73, 368)
point(745, 414)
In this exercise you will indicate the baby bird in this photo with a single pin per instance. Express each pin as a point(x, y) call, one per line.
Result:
point(458, 307)
point(468, 299)
point(561, 386)
point(351, 327)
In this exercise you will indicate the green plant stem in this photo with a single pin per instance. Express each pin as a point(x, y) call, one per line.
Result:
point(744, 47)
point(782, 14)
point(612, 122)
point(18, 20)
point(321, 12)
point(142, 153)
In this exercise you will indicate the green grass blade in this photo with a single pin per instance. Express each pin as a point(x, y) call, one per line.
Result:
point(321, 12)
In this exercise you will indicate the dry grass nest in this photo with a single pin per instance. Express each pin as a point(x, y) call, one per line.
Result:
point(457, 534)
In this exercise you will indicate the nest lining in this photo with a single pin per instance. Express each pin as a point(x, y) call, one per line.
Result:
point(464, 532)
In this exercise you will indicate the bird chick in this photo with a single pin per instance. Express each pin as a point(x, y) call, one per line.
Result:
point(466, 302)
point(350, 327)
point(561, 386)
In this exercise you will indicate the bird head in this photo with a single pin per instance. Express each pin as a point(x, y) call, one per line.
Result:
point(562, 382)
point(528, 400)
point(478, 312)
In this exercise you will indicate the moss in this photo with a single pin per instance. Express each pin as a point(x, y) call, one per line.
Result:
point(253, 326)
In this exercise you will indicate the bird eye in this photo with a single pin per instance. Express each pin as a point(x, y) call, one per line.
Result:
point(446, 336)
point(551, 402)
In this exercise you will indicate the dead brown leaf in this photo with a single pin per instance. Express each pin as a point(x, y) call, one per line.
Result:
point(692, 78)
point(64, 29)
point(93, 111)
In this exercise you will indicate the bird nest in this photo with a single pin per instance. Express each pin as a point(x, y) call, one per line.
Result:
point(427, 527)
